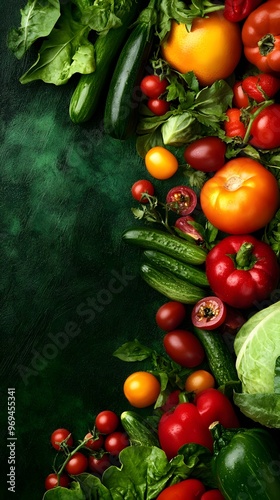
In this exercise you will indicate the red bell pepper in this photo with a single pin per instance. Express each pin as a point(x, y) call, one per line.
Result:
point(261, 37)
point(189, 422)
point(242, 270)
point(233, 126)
point(237, 10)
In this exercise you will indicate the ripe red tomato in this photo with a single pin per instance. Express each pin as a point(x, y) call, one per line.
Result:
point(189, 489)
point(184, 348)
point(51, 481)
point(107, 421)
point(182, 200)
point(140, 187)
point(206, 154)
point(240, 99)
point(158, 106)
point(265, 131)
point(152, 86)
point(77, 464)
point(209, 313)
point(170, 315)
point(99, 464)
point(95, 443)
point(116, 442)
point(60, 435)
point(212, 495)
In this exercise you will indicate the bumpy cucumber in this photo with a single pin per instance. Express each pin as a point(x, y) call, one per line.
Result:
point(155, 239)
point(220, 359)
point(192, 274)
point(137, 429)
point(170, 285)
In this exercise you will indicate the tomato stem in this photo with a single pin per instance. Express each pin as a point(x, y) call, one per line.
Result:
point(253, 116)
point(69, 456)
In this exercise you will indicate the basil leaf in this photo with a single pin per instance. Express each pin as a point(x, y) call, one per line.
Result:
point(38, 18)
point(133, 351)
point(65, 52)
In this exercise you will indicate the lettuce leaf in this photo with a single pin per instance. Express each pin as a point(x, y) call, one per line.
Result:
point(37, 20)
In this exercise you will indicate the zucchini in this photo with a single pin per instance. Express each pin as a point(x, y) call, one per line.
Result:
point(193, 274)
point(171, 286)
point(86, 96)
point(122, 102)
point(155, 239)
point(220, 359)
point(138, 430)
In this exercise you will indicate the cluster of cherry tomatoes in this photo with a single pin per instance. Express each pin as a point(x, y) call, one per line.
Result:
point(98, 450)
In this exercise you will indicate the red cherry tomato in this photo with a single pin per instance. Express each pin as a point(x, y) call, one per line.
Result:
point(212, 495)
point(77, 464)
point(189, 489)
point(140, 187)
point(60, 435)
point(170, 315)
point(240, 99)
point(51, 481)
point(182, 200)
point(184, 348)
point(209, 313)
point(265, 131)
point(152, 86)
point(206, 154)
point(95, 443)
point(98, 464)
point(116, 442)
point(106, 421)
point(158, 106)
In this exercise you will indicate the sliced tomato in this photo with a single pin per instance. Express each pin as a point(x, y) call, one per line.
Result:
point(209, 313)
point(182, 200)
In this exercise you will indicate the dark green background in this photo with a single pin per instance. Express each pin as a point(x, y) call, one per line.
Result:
point(64, 202)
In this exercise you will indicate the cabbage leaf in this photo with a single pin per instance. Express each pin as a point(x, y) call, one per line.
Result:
point(257, 347)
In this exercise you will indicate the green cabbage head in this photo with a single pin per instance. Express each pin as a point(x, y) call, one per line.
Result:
point(257, 349)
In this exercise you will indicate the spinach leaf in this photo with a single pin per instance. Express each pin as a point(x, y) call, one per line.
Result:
point(144, 473)
point(73, 493)
point(65, 52)
point(133, 351)
point(38, 18)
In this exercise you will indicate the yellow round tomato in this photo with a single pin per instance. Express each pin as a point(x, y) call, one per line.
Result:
point(199, 380)
point(211, 49)
point(241, 197)
point(161, 163)
point(141, 389)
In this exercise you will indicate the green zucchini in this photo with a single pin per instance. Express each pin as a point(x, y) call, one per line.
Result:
point(155, 239)
point(138, 430)
point(220, 359)
point(170, 285)
point(86, 96)
point(193, 274)
point(122, 101)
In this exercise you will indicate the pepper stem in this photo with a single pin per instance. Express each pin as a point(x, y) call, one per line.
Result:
point(244, 258)
point(266, 44)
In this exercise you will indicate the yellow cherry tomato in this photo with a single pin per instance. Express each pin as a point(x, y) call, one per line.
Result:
point(199, 380)
point(161, 163)
point(141, 389)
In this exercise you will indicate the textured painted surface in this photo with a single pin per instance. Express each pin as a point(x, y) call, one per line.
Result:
point(69, 294)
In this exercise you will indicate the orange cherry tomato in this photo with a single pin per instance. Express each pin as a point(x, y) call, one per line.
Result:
point(161, 163)
point(241, 197)
point(141, 389)
point(199, 380)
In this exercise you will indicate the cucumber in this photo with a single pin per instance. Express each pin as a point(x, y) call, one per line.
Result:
point(193, 274)
point(220, 359)
point(170, 285)
point(155, 239)
point(86, 96)
point(122, 100)
point(138, 430)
